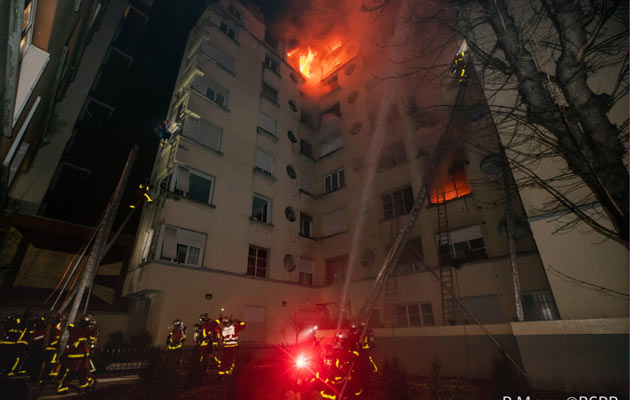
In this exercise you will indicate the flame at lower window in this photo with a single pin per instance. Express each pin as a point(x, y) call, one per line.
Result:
point(450, 187)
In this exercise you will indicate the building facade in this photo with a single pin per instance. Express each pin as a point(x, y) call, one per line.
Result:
point(268, 194)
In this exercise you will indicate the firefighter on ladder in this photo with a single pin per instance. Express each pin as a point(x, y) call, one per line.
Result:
point(458, 68)
point(75, 358)
point(208, 343)
point(229, 337)
point(13, 345)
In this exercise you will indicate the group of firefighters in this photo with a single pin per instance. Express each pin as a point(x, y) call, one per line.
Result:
point(30, 346)
point(210, 335)
point(330, 367)
point(341, 368)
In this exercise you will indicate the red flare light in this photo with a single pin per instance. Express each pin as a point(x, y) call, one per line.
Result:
point(301, 361)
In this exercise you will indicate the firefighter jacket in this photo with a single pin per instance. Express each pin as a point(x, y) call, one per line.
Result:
point(16, 332)
point(79, 341)
point(210, 333)
point(38, 333)
point(176, 338)
point(229, 334)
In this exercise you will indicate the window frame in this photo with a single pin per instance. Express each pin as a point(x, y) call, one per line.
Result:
point(255, 266)
point(308, 219)
point(337, 176)
point(276, 92)
point(419, 316)
point(228, 28)
point(261, 169)
point(179, 245)
point(267, 212)
point(394, 207)
point(26, 30)
point(272, 64)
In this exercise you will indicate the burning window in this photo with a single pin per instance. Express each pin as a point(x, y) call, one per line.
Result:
point(450, 185)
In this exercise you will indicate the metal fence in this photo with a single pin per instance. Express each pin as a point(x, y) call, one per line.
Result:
point(124, 360)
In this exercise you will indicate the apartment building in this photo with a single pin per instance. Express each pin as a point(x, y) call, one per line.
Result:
point(264, 200)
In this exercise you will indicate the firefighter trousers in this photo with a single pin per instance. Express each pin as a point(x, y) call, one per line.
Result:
point(228, 360)
point(74, 366)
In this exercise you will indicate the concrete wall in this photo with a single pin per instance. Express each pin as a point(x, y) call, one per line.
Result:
point(578, 356)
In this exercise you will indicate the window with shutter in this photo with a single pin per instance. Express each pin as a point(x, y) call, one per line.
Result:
point(267, 123)
point(334, 222)
point(182, 246)
point(264, 162)
point(217, 55)
point(209, 135)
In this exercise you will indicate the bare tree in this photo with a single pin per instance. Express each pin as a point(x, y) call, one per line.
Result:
point(563, 65)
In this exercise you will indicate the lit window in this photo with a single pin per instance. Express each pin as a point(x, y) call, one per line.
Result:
point(261, 209)
point(228, 30)
point(257, 260)
point(450, 186)
point(334, 181)
point(397, 203)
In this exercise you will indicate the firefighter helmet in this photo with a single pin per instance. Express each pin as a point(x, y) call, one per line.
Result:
point(88, 320)
point(178, 324)
point(204, 318)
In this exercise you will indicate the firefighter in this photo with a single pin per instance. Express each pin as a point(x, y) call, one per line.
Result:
point(327, 374)
point(36, 344)
point(229, 336)
point(142, 194)
point(51, 366)
point(208, 343)
point(13, 345)
point(458, 68)
point(177, 336)
point(75, 358)
point(365, 366)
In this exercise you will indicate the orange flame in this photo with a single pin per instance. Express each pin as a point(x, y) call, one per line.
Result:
point(316, 61)
point(306, 61)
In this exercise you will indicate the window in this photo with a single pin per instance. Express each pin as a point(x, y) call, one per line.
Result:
point(261, 209)
point(267, 124)
point(450, 185)
point(191, 184)
point(235, 12)
point(182, 246)
point(306, 148)
point(335, 110)
point(217, 55)
point(264, 162)
point(397, 203)
point(336, 269)
point(334, 181)
point(392, 155)
point(306, 225)
point(203, 132)
point(539, 306)
point(408, 260)
point(306, 271)
point(228, 30)
point(467, 244)
point(331, 144)
point(334, 222)
point(272, 64)
point(257, 260)
point(27, 25)
point(270, 93)
point(211, 90)
point(414, 315)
